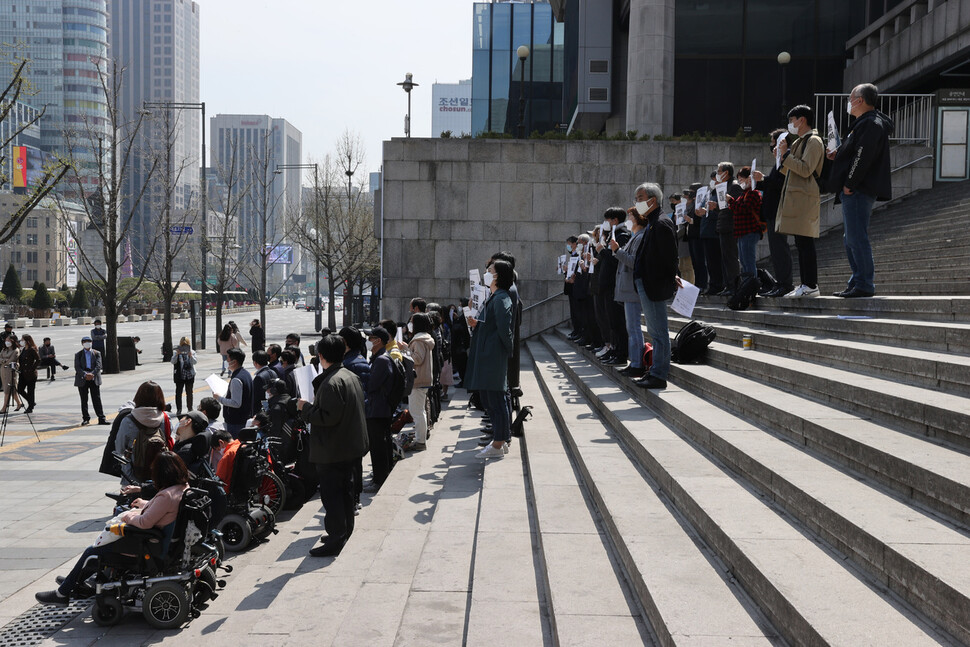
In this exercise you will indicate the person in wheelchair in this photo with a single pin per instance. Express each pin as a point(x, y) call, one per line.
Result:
point(171, 477)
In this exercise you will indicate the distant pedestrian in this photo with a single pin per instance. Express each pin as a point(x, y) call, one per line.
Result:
point(98, 335)
point(9, 366)
point(184, 361)
point(29, 361)
point(226, 342)
point(257, 335)
point(87, 379)
point(48, 358)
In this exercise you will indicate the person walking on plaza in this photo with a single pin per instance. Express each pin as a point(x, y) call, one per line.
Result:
point(257, 335)
point(98, 335)
point(237, 405)
point(656, 280)
point(860, 175)
point(87, 379)
point(799, 205)
point(226, 341)
point(29, 362)
point(9, 366)
point(184, 361)
point(48, 358)
point(338, 438)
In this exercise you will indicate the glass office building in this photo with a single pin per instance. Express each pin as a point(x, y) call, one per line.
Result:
point(499, 29)
point(727, 70)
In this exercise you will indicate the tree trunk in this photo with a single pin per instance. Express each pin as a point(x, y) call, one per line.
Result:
point(262, 293)
point(167, 327)
point(110, 364)
point(332, 316)
point(219, 301)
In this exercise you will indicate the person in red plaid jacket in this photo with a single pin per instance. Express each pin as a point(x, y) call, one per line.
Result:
point(748, 225)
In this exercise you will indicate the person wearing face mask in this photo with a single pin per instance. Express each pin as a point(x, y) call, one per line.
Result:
point(748, 226)
point(9, 365)
point(860, 176)
point(29, 362)
point(237, 405)
point(730, 266)
point(770, 186)
point(799, 204)
point(98, 335)
point(422, 352)
point(48, 358)
point(378, 408)
point(609, 304)
point(694, 245)
point(710, 242)
point(683, 248)
point(583, 297)
point(87, 379)
point(184, 375)
point(572, 250)
point(626, 292)
point(655, 278)
point(264, 374)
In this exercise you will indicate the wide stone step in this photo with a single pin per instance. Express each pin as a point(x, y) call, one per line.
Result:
point(804, 588)
point(930, 308)
point(925, 335)
point(944, 371)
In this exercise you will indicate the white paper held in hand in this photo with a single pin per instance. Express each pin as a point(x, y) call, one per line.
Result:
point(474, 276)
point(778, 142)
point(218, 385)
point(685, 299)
point(304, 376)
point(721, 195)
point(754, 167)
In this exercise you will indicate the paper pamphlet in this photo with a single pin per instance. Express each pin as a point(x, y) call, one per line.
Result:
point(721, 195)
point(700, 201)
point(685, 299)
point(780, 139)
point(304, 376)
point(218, 385)
point(754, 167)
point(613, 233)
point(680, 211)
point(833, 135)
point(561, 264)
point(399, 335)
point(474, 276)
point(571, 268)
point(468, 312)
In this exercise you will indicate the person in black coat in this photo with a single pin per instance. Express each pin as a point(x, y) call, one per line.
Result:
point(378, 406)
point(655, 278)
point(614, 319)
point(257, 335)
point(770, 186)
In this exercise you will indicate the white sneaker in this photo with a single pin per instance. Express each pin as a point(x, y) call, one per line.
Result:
point(490, 452)
point(603, 351)
point(802, 291)
point(505, 447)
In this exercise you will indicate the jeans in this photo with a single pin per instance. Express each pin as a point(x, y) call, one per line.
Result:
point(747, 244)
point(234, 428)
point(655, 313)
point(417, 405)
point(337, 496)
point(634, 334)
point(856, 210)
point(498, 411)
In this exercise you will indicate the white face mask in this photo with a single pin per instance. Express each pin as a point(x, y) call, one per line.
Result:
point(629, 224)
point(410, 327)
point(743, 184)
point(23, 344)
point(793, 129)
point(8, 344)
point(713, 182)
point(848, 107)
point(606, 226)
point(642, 207)
point(98, 327)
point(489, 277)
point(569, 250)
point(368, 345)
point(87, 345)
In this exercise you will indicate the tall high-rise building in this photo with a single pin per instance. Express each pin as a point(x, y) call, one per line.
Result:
point(259, 144)
point(65, 41)
point(156, 46)
point(451, 108)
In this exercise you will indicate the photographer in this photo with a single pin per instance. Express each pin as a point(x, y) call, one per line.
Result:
point(184, 361)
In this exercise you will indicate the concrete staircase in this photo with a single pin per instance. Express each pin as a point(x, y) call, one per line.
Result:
point(814, 490)
point(934, 259)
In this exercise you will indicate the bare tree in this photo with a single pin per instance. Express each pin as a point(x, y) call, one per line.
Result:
point(114, 151)
point(17, 90)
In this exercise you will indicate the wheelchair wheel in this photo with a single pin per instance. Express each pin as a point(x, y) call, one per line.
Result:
point(272, 492)
point(236, 533)
point(166, 605)
point(205, 586)
point(107, 611)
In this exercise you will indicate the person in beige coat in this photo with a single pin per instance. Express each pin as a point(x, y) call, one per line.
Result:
point(422, 348)
point(798, 209)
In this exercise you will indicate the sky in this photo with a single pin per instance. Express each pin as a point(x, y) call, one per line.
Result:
point(327, 66)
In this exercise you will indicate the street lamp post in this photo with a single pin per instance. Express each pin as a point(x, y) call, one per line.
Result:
point(784, 58)
point(523, 53)
point(175, 105)
point(318, 316)
point(408, 84)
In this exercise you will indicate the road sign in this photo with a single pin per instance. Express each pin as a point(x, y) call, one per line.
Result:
point(179, 230)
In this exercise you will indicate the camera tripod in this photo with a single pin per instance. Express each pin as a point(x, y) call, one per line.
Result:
point(3, 426)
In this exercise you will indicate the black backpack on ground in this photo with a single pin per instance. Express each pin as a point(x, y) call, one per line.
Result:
point(745, 294)
point(691, 342)
point(768, 282)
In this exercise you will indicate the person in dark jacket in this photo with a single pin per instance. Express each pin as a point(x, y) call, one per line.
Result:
point(694, 243)
point(614, 326)
point(237, 405)
point(281, 410)
point(29, 362)
point(263, 376)
point(656, 280)
point(730, 265)
point(460, 339)
point(338, 438)
point(355, 362)
point(288, 359)
point(257, 336)
point(860, 175)
point(710, 241)
point(770, 186)
point(378, 406)
point(48, 358)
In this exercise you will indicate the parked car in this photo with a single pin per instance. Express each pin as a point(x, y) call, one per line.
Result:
point(301, 304)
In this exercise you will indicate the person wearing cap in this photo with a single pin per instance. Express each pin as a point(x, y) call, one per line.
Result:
point(87, 379)
point(378, 408)
point(98, 335)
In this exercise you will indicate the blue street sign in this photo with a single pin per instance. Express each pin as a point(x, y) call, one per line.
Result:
point(179, 230)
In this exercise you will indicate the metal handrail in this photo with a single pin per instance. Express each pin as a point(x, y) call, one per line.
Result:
point(831, 196)
point(539, 303)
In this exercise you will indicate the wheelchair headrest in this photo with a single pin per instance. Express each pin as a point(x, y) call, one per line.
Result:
point(248, 434)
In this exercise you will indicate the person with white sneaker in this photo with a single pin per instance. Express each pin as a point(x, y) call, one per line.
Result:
point(798, 209)
point(488, 357)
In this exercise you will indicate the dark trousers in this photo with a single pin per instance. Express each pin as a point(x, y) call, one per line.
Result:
point(459, 359)
point(616, 316)
point(574, 315)
point(26, 388)
point(188, 385)
point(587, 313)
point(82, 569)
point(807, 260)
point(780, 255)
point(730, 264)
point(378, 433)
point(602, 316)
point(95, 391)
point(337, 496)
point(696, 246)
point(712, 254)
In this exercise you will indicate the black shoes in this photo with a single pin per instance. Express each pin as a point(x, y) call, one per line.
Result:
point(52, 597)
point(325, 550)
point(85, 422)
point(779, 291)
point(102, 421)
point(855, 293)
point(633, 372)
point(651, 382)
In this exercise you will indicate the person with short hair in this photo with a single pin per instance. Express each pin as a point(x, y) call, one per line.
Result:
point(861, 168)
point(87, 379)
point(293, 341)
point(274, 351)
point(257, 335)
point(48, 358)
point(98, 335)
point(338, 438)
point(748, 226)
point(730, 265)
point(378, 407)
point(184, 361)
point(418, 305)
point(212, 409)
point(238, 401)
point(264, 374)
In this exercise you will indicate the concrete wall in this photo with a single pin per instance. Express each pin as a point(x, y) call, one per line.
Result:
point(448, 204)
